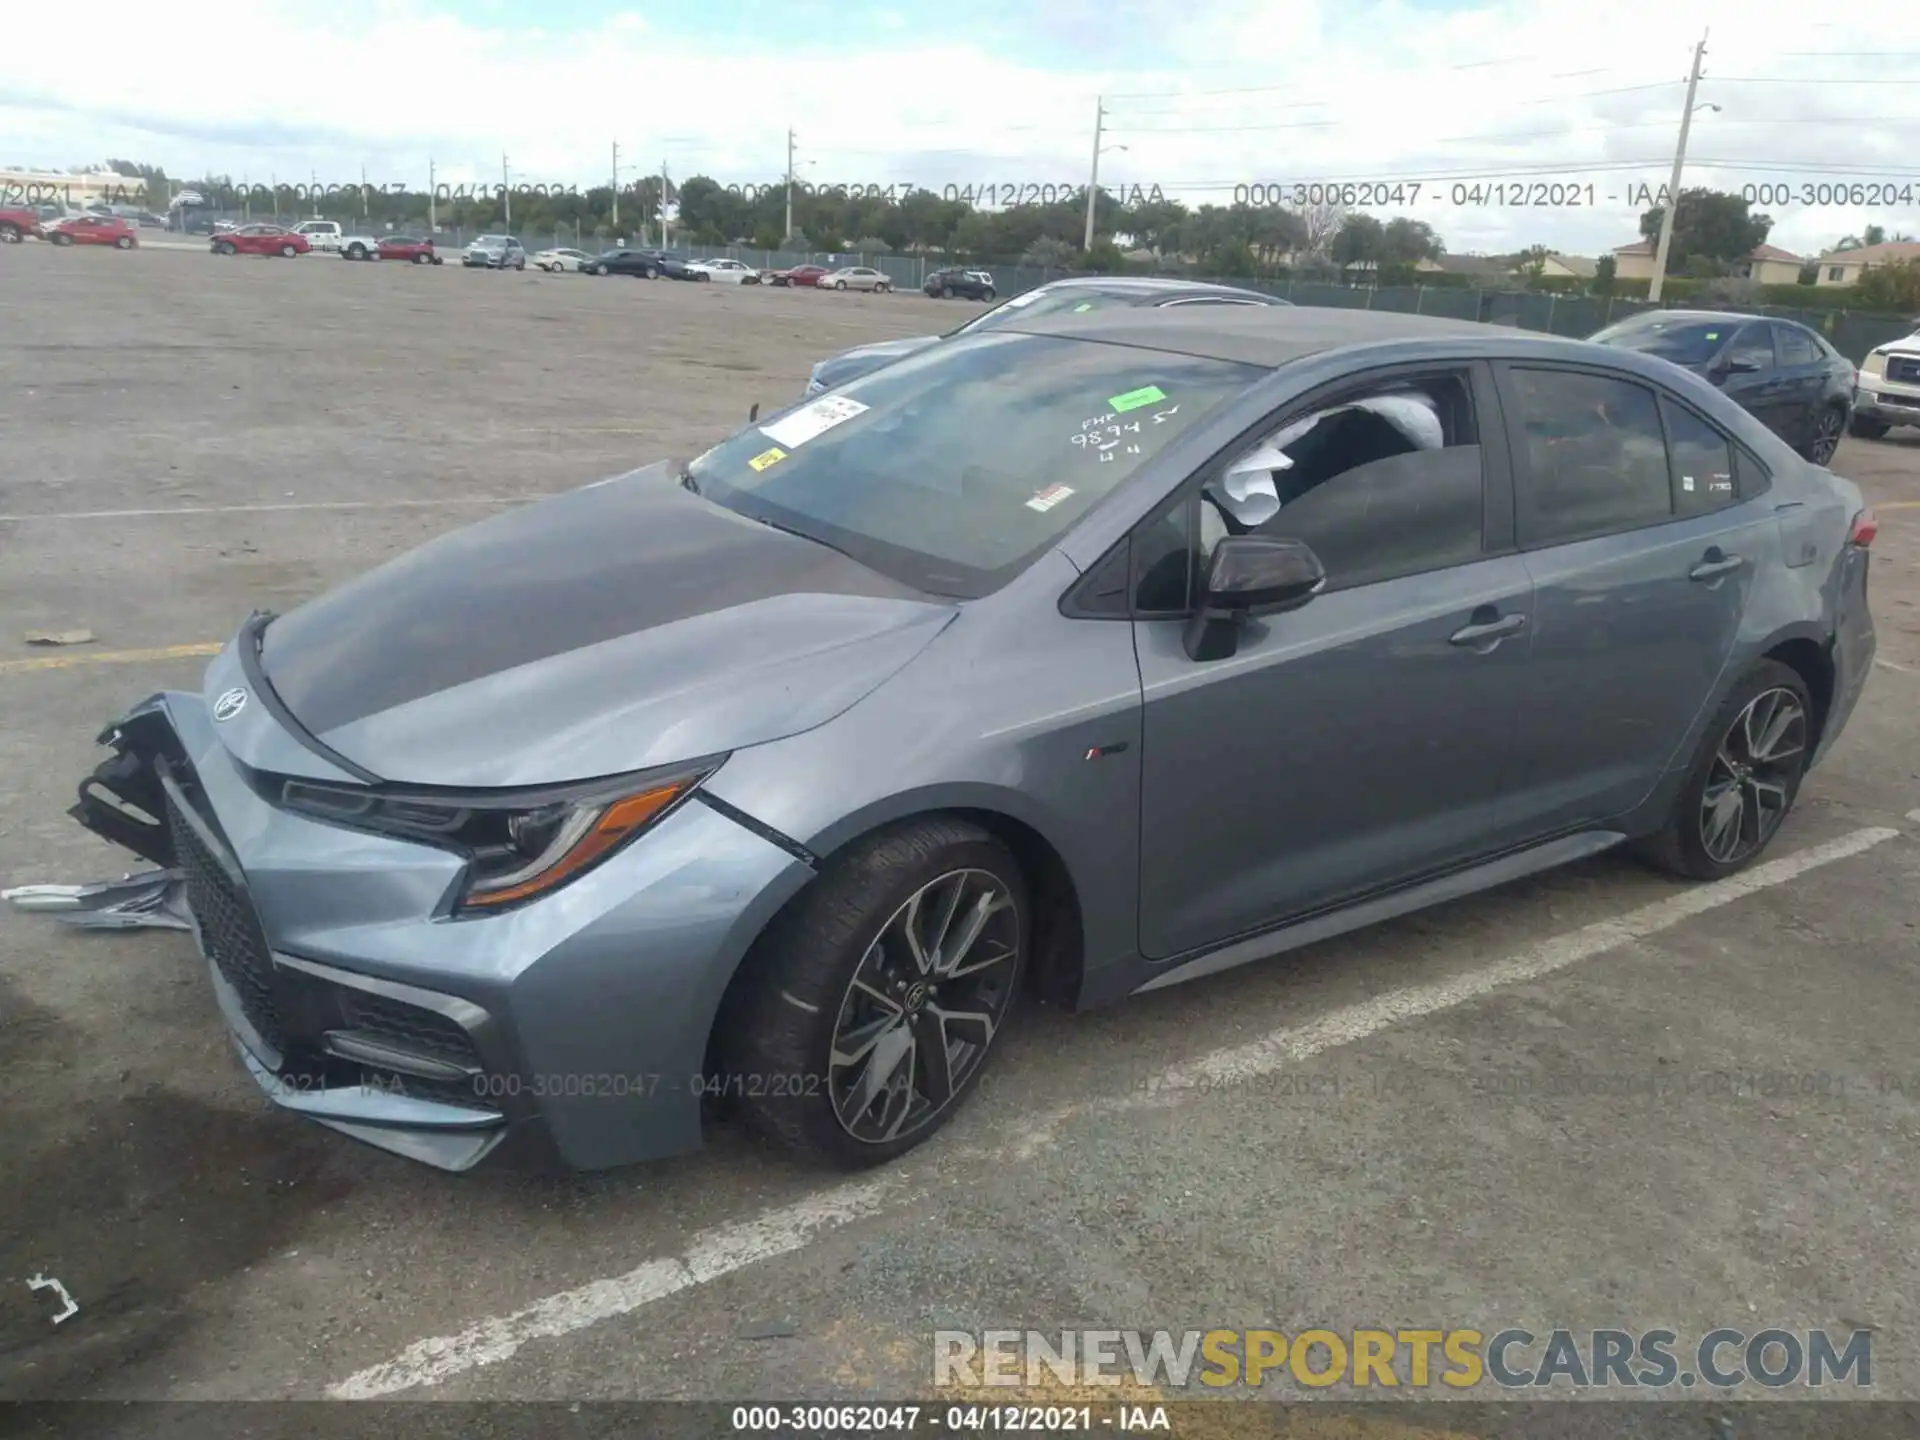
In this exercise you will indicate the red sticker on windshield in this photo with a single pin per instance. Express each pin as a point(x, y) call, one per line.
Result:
point(1049, 497)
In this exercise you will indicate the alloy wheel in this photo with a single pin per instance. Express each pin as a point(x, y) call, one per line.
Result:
point(1750, 783)
point(1827, 439)
point(923, 1006)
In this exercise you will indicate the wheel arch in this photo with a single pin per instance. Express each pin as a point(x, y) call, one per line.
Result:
point(1056, 952)
point(1803, 650)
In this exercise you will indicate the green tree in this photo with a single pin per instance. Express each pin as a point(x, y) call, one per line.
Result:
point(1710, 223)
point(1890, 287)
point(1604, 270)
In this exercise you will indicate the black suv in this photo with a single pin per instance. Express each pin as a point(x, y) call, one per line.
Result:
point(959, 280)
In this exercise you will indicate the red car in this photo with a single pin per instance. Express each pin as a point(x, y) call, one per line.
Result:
point(16, 224)
point(403, 247)
point(93, 230)
point(799, 275)
point(260, 240)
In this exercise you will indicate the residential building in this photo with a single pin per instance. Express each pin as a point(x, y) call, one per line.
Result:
point(1767, 264)
point(1844, 267)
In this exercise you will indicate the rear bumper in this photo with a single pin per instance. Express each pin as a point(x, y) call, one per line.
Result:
point(1853, 645)
point(572, 1031)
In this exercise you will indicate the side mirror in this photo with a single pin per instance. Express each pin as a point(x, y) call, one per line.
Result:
point(1740, 367)
point(1250, 575)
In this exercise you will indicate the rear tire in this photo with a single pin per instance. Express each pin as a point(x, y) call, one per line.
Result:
point(987, 295)
point(287, 252)
point(356, 252)
point(59, 239)
point(423, 258)
point(125, 242)
point(1830, 425)
point(780, 1038)
point(1864, 427)
point(1752, 759)
point(226, 247)
point(9, 234)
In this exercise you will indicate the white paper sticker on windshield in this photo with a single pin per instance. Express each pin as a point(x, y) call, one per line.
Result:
point(1048, 498)
point(1025, 299)
point(808, 421)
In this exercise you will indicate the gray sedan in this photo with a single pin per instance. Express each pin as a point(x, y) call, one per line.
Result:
point(1081, 658)
point(857, 277)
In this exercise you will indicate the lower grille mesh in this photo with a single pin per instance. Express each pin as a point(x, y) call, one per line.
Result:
point(229, 929)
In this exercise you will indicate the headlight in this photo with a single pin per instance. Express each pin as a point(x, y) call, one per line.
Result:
point(1875, 364)
point(519, 844)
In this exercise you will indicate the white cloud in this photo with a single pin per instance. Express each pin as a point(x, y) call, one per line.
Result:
point(1351, 90)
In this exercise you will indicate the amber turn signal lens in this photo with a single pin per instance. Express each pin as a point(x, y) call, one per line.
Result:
point(615, 825)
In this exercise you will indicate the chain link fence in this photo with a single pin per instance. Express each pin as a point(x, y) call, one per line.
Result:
point(1852, 332)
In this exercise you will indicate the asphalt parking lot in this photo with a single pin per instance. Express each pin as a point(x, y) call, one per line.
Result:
point(1598, 1098)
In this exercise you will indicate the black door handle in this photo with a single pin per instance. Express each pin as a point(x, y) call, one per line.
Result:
point(1497, 627)
point(1715, 565)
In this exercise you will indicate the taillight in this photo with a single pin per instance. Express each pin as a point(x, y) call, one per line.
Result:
point(1864, 528)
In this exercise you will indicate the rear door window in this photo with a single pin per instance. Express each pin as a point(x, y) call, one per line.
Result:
point(1595, 455)
point(1701, 462)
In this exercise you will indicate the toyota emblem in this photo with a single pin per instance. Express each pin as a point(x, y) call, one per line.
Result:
point(229, 705)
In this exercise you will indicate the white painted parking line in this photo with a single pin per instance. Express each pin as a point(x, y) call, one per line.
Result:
point(1903, 669)
point(732, 1247)
point(268, 509)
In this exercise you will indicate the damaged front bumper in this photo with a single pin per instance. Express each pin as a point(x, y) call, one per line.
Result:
point(572, 1030)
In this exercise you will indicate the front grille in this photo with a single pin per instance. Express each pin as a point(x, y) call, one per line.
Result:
point(1904, 369)
point(230, 929)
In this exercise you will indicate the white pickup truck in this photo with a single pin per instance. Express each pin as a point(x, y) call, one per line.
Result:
point(321, 234)
point(1887, 390)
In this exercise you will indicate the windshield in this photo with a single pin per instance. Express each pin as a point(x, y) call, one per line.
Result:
point(1685, 342)
point(954, 469)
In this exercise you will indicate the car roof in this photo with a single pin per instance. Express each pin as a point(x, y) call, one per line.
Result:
point(1272, 336)
point(1155, 285)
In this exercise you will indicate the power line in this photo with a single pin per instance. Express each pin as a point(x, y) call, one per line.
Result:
point(1502, 139)
point(1443, 69)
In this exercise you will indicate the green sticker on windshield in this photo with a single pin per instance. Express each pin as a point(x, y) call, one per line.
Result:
point(1083, 307)
point(1713, 334)
point(1134, 399)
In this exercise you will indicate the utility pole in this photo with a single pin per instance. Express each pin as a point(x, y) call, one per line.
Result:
point(663, 202)
point(1093, 178)
point(313, 192)
point(788, 234)
point(433, 201)
point(1673, 184)
point(364, 212)
point(616, 189)
point(506, 189)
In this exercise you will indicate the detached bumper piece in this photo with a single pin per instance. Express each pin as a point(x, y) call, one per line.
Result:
point(147, 899)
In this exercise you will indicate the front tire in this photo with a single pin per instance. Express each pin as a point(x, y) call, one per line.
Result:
point(125, 242)
point(1746, 775)
point(59, 239)
point(9, 234)
point(1865, 427)
point(423, 259)
point(226, 247)
point(356, 252)
point(287, 252)
point(987, 295)
point(878, 996)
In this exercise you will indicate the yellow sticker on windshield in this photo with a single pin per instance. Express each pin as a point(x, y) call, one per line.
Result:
point(767, 459)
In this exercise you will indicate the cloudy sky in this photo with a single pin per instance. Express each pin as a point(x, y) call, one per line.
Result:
point(1204, 97)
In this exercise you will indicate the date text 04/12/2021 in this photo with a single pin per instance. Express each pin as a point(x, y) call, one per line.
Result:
point(990, 195)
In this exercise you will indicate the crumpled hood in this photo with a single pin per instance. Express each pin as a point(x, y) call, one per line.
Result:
point(612, 628)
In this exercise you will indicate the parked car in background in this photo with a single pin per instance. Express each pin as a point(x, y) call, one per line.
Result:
point(1080, 295)
point(18, 223)
point(676, 265)
point(622, 260)
point(322, 234)
point(797, 275)
point(416, 250)
point(261, 239)
point(727, 272)
point(967, 284)
point(857, 277)
point(1887, 392)
point(93, 230)
point(973, 682)
point(494, 252)
point(554, 262)
point(1792, 380)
